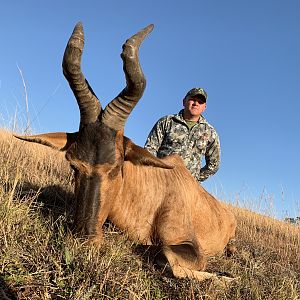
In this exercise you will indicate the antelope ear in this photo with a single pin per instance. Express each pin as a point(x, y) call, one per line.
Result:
point(57, 140)
point(140, 156)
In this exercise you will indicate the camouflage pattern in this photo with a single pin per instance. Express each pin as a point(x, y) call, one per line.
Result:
point(196, 91)
point(171, 134)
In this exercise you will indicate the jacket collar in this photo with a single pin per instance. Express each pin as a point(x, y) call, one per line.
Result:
point(179, 117)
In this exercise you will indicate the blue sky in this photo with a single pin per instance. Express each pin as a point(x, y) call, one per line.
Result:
point(244, 53)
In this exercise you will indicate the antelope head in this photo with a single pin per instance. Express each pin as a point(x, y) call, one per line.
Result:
point(97, 151)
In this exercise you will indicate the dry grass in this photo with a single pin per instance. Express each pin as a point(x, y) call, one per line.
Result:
point(41, 259)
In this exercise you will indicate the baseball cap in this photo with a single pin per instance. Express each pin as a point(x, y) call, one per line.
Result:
point(196, 91)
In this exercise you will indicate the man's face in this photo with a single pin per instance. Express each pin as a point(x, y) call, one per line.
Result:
point(194, 106)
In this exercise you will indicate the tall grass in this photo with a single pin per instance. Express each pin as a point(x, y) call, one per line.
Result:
point(41, 259)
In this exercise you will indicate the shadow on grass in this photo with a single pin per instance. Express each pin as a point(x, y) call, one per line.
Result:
point(155, 262)
point(6, 293)
point(153, 259)
point(53, 201)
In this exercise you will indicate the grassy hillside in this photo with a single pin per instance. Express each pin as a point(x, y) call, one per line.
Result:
point(41, 259)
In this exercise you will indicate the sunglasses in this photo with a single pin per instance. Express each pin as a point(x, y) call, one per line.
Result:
point(200, 100)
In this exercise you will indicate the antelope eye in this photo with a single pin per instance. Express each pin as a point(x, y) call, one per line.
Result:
point(73, 167)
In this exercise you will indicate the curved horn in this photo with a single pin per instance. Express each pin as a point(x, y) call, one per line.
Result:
point(118, 110)
point(88, 103)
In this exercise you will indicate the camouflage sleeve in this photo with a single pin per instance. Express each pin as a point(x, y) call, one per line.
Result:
point(155, 137)
point(212, 158)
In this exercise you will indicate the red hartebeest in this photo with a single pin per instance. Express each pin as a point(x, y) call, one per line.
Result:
point(155, 201)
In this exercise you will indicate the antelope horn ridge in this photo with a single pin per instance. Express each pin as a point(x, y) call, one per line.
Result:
point(88, 102)
point(118, 110)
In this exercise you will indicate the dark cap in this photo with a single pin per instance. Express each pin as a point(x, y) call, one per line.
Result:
point(195, 92)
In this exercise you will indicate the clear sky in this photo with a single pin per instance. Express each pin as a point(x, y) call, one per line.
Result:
point(244, 53)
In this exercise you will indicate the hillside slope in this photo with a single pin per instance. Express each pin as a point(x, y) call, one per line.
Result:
point(41, 259)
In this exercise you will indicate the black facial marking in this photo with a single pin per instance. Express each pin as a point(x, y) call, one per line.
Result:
point(87, 204)
point(96, 144)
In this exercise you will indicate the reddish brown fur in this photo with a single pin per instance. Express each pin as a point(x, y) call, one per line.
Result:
point(158, 205)
point(155, 201)
point(173, 203)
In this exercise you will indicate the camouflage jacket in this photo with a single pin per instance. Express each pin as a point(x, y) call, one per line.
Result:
point(171, 134)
